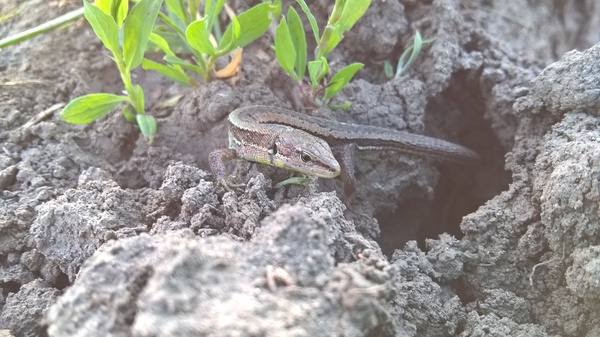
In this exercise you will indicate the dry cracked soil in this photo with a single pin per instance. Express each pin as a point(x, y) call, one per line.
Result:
point(104, 235)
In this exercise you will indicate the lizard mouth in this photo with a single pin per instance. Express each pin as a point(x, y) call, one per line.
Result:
point(331, 170)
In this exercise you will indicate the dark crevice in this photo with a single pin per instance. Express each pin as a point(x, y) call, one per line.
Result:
point(62, 281)
point(462, 189)
point(456, 115)
point(126, 143)
point(135, 287)
point(476, 43)
point(131, 179)
point(465, 291)
point(10, 287)
point(402, 225)
point(472, 44)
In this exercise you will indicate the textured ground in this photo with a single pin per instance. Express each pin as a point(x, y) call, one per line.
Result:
point(103, 235)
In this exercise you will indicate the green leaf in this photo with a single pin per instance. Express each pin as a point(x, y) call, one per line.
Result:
point(197, 36)
point(104, 5)
point(313, 70)
point(284, 49)
point(353, 10)
point(117, 9)
point(104, 27)
point(180, 62)
point(341, 78)
point(299, 40)
point(212, 9)
point(193, 6)
point(311, 19)
point(340, 106)
point(147, 125)
point(175, 39)
point(414, 50)
point(344, 16)
point(174, 24)
point(129, 116)
point(324, 71)
point(276, 8)
point(122, 6)
point(333, 38)
point(317, 70)
point(170, 72)
point(336, 13)
point(88, 108)
point(388, 69)
point(137, 28)
point(138, 99)
point(161, 43)
point(178, 9)
point(253, 23)
point(230, 37)
point(293, 181)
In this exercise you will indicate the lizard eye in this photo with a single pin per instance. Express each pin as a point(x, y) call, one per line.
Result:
point(305, 157)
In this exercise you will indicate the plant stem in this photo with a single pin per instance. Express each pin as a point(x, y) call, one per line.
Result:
point(209, 66)
point(126, 78)
point(43, 28)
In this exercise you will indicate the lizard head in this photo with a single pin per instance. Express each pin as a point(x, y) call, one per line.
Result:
point(302, 152)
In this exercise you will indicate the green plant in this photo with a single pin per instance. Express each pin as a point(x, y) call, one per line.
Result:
point(291, 48)
point(109, 19)
point(202, 37)
point(412, 52)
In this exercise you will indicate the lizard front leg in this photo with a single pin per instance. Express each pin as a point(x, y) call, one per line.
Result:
point(216, 160)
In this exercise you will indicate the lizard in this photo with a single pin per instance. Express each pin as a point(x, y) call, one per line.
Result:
point(317, 146)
